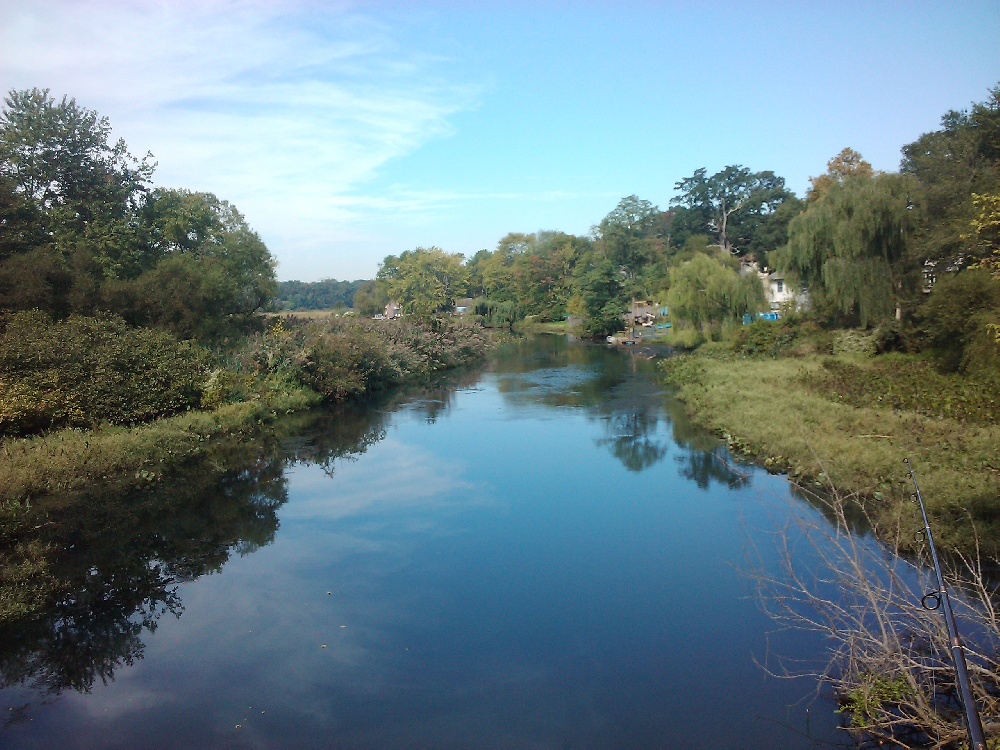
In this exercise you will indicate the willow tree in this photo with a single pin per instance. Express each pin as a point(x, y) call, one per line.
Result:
point(705, 291)
point(849, 248)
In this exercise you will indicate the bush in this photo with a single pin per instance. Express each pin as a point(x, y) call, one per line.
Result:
point(345, 358)
point(909, 384)
point(84, 371)
point(764, 338)
point(857, 342)
point(957, 317)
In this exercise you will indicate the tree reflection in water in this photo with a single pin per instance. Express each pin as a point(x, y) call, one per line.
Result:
point(622, 390)
point(113, 559)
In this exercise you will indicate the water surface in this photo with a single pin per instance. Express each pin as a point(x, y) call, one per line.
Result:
point(545, 554)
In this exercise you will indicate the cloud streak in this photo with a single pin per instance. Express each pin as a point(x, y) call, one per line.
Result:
point(287, 110)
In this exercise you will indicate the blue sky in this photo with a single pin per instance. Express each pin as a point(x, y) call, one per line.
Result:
point(347, 131)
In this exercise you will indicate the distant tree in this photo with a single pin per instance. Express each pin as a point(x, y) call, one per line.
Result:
point(731, 203)
point(705, 291)
point(328, 294)
point(628, 232)
point(848, 163)
point(597, 287)
point(950, 166)
point(371, 298)
point(425, 281)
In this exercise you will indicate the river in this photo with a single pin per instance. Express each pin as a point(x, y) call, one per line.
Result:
point(542, 554)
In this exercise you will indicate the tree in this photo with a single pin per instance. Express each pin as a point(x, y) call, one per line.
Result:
point(597, 291)
point(848, 163)
point(425, 280)
point(627, 232)
point(203, 272)
point(59, 155)
point(849, 248)
point(950, 166)
point(983, 239)
point(731, 203)
point(704, 291)
point(21, 227)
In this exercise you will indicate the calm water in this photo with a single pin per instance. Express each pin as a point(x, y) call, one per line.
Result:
point(545, 554)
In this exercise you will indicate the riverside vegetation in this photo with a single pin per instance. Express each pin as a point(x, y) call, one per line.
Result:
point(161, 292)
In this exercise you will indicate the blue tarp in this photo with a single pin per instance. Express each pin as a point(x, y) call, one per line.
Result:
point(772, 316)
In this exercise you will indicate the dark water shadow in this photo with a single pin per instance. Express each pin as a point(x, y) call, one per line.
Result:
point(108, 561)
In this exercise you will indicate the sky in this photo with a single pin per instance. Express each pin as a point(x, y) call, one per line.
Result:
point(348, 131)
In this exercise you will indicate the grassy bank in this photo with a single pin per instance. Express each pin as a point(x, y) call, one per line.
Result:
point(849, 423)
point(291, 365)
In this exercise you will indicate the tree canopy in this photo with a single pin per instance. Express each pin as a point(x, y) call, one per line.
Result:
point(425, 280)
point(733, 203)
point(81, 230)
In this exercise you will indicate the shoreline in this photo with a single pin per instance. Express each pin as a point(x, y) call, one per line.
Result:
point(766, 413)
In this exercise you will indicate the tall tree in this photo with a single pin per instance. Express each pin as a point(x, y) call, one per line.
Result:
point(731, 203)
point(60, 156)
point(951, 165)
point(849, 247)
point(848, 163)
point(597, 298)
point(627, 233)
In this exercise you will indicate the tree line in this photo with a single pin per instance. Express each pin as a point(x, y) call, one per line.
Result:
point(910, 249)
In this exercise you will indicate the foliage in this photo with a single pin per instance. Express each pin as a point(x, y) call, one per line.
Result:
point(628, 233)
point(950, 166)
point(908, 384)
point(84, 371)
point(957, 319)
point(984, 235)
point(348, 358)
point(370, 299)
point(60, 157)
point(80, 231)
point(597, 299)
point(848, 247)
point(765, 338)
point(848, 163)
point(733, 203)
point(706, 291)
point(424, 281)
point(327, 294)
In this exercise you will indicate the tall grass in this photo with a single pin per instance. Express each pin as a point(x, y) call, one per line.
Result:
point(778, 411)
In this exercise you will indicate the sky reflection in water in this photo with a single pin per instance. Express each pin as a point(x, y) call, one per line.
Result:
point(544, 558)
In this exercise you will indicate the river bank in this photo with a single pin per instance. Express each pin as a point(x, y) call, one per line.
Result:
point(840, 423)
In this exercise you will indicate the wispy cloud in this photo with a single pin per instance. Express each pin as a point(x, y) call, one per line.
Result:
point(286, 109)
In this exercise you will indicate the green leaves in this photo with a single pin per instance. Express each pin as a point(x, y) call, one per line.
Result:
point(84, 371)
point(849, 246)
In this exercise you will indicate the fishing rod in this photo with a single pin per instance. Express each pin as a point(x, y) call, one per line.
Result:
point(933, 600)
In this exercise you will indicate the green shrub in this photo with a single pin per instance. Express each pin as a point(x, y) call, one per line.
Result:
point(344, 358)
point(84, 371)
point(854, 341)
point(909, 384)
point(956, 320)
point(764, 338)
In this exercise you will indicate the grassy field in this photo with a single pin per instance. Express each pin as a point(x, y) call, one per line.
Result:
point(800, 416)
